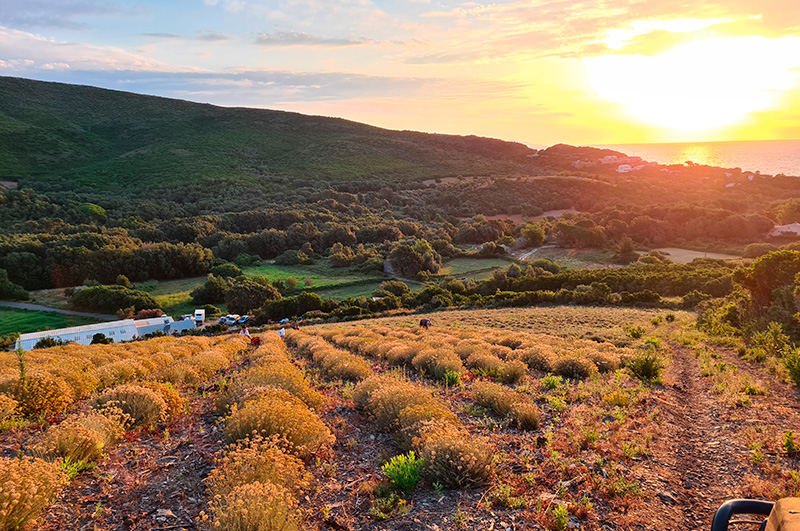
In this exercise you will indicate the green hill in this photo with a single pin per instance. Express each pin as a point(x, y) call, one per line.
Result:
point(58, 137)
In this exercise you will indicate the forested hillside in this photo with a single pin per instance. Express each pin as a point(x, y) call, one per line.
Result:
point(68, 138)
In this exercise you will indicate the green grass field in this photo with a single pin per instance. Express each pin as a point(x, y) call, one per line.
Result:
point(474, 268)
point(174, 296)
point(25, 321)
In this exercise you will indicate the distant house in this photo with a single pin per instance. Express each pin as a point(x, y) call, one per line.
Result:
point(624, 168)
point(125, 330)
point(791, 230)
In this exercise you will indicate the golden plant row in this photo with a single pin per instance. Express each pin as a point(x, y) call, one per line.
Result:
point(48, 381)
point(334, 362)
point(272, 427)
point(452, 456)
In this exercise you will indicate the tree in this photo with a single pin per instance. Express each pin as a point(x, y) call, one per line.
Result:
point(533, 234)
point(212, 292)
point(123, 281)
point(246, 295)
point(9, 290)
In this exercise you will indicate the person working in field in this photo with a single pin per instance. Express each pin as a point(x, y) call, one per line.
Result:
point(425, 323)
point(244, 331)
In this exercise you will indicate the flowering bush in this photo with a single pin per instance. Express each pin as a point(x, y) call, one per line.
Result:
point(453, 457)
point(27, 486)
point(144, 406)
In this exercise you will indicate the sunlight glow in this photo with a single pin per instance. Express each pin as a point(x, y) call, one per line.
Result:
point(618, 38)
point(702, 85)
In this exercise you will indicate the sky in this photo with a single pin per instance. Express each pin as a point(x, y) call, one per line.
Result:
point(538, 71)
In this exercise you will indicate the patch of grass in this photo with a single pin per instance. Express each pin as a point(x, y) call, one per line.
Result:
point(25, 321)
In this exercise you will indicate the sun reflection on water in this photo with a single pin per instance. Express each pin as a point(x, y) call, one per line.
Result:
point(699, 154)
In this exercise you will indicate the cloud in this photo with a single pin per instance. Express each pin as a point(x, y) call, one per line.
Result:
point(293, 38)
point(211, 36)
point(63, 14)
point(29, 52)
point(441, 58)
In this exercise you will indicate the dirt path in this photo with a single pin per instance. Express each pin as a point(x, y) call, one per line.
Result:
point(702, 458)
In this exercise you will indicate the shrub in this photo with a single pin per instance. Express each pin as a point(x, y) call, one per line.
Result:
point(364, 390)
point(525, 415)
point(83, 383)
point(303, 432)
point(386, 403)
point(574, 367)
point(454, 458)
point(495, 397)
point(256, 507)
point(80, 439)
point(604, 361)
point(7, 407)
point(487, 362)
point(260, 460)
point(403, 471)
point(167, 392)
point(178, 373)
point(119, 372)
point(412, 418)
point(283, 375)
point(792, 363)
point(40, 394)
point(646, 365)
point(551, 381)
point(27, 486)
point(512, 372)
point(144, 406)
point(538, 359)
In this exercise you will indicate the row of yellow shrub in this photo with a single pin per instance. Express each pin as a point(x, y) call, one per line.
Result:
point(55, 378)
point(271, 427)
point(452, 456)
point(334, 362)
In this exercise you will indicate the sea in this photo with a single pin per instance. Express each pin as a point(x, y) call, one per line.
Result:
point(767, 156)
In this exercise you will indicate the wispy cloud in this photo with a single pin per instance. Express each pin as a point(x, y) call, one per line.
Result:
point(66, 14)
point(293, 38)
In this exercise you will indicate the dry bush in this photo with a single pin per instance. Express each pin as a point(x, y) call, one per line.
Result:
point(512, 372)
point(465, 349)
point(27, 486)
point(303, 431)
point(501, 351)
point(387, 402)
point(453, 457)
point(7, 407)
point(256, 507)
point(512, 341)
point(574, 367)
point(179, 373)
point(337, 363)
point(77, 439)
point(144, 406)
point(540, 359)
point(82, 382)
point(604, 361)
point(525, 415)
point(436, 362)
point(363, 391)
point(270, 393)
point(167, 392)
point(208, 363)
point(283, 375)
point(495, 397)
point(484, 361)
point(260, 460)
point(41, 394)
point(413, 418)
point(119, 372)
point(401, 354)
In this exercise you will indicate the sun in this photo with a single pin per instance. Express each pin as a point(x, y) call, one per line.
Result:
point(702, 85)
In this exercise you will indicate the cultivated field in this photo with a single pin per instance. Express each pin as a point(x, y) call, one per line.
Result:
point(24, 321)
point(543, 418)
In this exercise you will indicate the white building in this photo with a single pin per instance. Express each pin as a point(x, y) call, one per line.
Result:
point(125, 330)
point(792, 229)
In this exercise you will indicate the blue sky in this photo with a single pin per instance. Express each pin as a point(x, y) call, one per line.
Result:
point(538, 71)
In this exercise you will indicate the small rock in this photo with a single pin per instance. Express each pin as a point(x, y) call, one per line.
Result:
point(667, 497)
point(609, 418)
